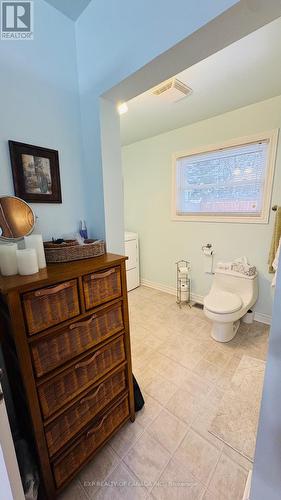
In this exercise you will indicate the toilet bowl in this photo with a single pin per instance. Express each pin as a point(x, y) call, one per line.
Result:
point(232, 294)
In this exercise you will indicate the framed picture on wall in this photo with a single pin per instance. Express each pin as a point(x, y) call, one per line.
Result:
point(36, 173)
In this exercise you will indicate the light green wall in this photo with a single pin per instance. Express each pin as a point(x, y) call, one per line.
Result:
point(147, 168)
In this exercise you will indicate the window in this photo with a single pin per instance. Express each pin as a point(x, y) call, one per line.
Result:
point(230, 182)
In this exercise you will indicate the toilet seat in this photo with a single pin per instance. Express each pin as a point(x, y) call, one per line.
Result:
point(223, 302)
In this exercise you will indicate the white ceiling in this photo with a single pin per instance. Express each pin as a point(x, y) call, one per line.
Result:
point(71, 8)
point(247, 71)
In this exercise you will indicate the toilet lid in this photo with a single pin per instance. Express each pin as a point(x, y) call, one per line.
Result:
point(222, 302)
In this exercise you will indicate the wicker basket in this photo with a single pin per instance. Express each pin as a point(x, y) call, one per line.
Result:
point(89, 441)
point(51, 305)
point(71, 250)
point(53, 350)
point(64, 427)
point(65, 386)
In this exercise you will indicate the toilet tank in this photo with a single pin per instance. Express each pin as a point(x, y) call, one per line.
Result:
point(231, 281)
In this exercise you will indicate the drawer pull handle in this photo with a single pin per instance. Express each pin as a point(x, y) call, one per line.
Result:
point(88, 362)
point(98, 276)
point(95, 429)
point(89, 398)
point(51, 291)
point(83, 323)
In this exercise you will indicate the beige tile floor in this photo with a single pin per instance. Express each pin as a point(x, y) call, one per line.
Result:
point(183, 374)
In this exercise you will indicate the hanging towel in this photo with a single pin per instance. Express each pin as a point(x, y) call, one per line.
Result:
point(275, 239)
point(275, 263)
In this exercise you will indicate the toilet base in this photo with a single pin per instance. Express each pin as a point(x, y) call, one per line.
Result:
point(224, 332)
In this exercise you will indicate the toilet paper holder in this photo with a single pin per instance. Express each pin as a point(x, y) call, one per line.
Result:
point(183, 282)
point(207, 249)
point(208, 254)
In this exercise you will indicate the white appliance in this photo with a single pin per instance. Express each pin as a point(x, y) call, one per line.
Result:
point(132, 264)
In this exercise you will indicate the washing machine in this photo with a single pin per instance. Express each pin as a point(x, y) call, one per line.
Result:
point(132, 264)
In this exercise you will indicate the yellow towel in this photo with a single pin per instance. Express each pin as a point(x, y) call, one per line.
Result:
point(275, 239)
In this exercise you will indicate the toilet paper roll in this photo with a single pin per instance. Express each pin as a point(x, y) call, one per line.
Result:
point(184, 296)
point(207, 251)
point(183, 277)
point(183, 270)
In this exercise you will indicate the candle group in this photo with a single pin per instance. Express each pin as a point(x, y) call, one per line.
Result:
point(8, 259)
point(25, 262)
point(35, 241)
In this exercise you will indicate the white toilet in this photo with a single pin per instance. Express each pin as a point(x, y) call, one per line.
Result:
point(231, 296)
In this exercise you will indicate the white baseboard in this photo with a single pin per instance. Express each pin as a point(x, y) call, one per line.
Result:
point(247, 490)
point(171, 290)
point(260, 317)
point(263, 318)
point(159, 286)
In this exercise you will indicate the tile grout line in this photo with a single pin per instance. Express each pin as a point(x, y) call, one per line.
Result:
point(240, 346)
point(171, 457)
point(171, 454)
point(214, 385)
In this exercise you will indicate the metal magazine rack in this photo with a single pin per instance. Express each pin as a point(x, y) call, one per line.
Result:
point(183, 282)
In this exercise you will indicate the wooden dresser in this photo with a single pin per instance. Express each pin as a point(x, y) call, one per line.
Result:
point(65, 336)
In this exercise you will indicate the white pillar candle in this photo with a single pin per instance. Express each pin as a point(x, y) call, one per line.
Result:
point(27, 261)
point(8, 259)
point(35, 241)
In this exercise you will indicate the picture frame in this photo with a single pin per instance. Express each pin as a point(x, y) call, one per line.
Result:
point(36, 173)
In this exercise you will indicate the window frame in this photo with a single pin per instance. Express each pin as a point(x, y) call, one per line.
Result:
point(272, 138)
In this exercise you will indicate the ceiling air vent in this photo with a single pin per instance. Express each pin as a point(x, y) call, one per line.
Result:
point(172, 90)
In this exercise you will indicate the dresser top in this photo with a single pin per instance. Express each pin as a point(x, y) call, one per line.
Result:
point(58, 272)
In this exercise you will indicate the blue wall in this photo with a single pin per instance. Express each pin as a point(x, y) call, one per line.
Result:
point(266, 481)
point(115, 39)
point(39, 104)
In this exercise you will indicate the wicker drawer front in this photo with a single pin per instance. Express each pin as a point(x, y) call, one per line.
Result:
point(90, 441)
point(102, 287)
point(59, 432)
point(68, 384)
point(76, 338)
point(50, 306)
